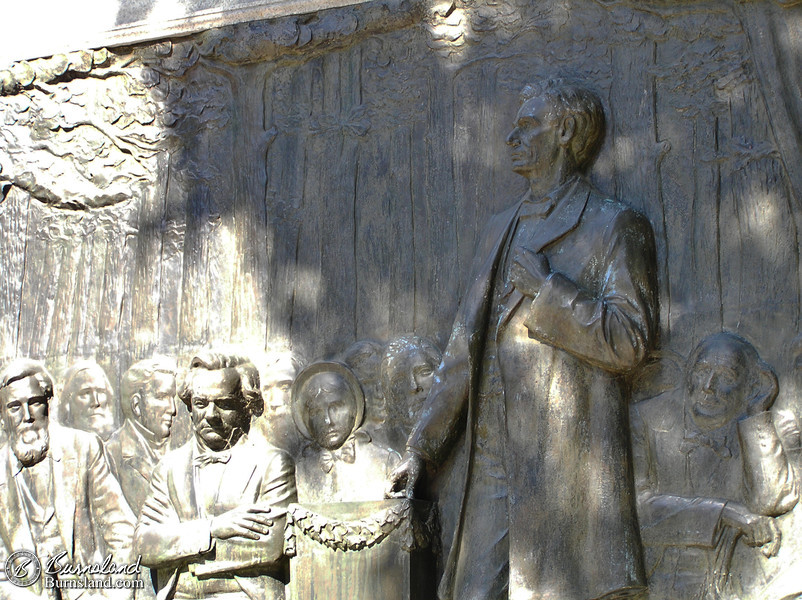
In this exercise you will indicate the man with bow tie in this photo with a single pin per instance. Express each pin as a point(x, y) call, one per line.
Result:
point(341, 463)
point(710, 469)
point(213, 523)
point(561, 307)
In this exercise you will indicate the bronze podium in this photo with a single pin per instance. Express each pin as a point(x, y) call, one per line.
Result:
point(362, 550)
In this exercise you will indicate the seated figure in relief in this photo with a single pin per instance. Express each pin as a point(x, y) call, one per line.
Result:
point(341, 462)
point(87, 400)
point(148, 404)
point(213, 523)
point(755, 576)
point(710, 470)
point(407, 375)
point(58, 497)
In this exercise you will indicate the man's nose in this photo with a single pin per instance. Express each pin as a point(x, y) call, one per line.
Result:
point(210, 411)
point(26, 413)
point(413, 383)
point(171, 410)
point(94, 399)
point(709, 383)
point(512, 138)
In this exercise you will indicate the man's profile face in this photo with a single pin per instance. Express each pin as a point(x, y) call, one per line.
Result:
point(276, 386)
point(157, 405)
point(219, 412)
point(331, 409)
point(366, 365)
point(411, 379)
point(534, 141)
point(25, 418)
point(90, 403)
point(717, 387)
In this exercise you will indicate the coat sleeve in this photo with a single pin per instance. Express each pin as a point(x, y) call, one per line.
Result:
point(161, 538)
point(770, 483)
point(667, 519)
point(235, 555)
point(443, 414)
point(611, 327)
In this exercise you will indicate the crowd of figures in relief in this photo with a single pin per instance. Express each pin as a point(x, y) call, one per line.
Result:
point(571, 481)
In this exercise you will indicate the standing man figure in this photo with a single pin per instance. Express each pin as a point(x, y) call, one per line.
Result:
point(57, 494)
point(561, 306)
point(148, 404)
point(213, 523)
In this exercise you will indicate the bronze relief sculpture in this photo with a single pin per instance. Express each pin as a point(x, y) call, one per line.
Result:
point(58, 497)
point(562, 304)
point(148, 404)
point(341, 463)
point(213, 523)
point(711, 470)
point(321, 181)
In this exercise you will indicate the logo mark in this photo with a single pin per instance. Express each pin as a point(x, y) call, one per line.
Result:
point(23, 568)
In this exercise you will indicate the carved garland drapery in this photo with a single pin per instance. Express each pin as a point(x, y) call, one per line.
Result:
point(353, 536)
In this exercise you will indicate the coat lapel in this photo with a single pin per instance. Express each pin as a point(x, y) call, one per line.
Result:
point(134, 453)
point(14, 529)
point(238, 472)
point(65, 488)
point(182, 483)
point(563, 219)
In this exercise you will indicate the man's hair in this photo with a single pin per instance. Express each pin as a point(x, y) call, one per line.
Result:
point(278, 356)
point(358, 354)
point(138, 376)
point(569, 99)
point(401, 346)
point(246, 371)
point(71, 379)
point(760, 377)
point(20, 368)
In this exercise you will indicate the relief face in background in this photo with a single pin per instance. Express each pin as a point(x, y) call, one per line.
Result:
point(278, 370)
point(57, 494)
point(87, 399)
point(407, 375)
point(148, 403)
point(364, 358)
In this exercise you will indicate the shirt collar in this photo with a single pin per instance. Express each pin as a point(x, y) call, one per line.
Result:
point(146, 437)
point(557, 195)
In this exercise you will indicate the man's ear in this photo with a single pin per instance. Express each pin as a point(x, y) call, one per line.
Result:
point(567, 130)
point(136, 408)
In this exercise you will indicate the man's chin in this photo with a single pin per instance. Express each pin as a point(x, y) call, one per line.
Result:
point(31, 453)
point(213, 440)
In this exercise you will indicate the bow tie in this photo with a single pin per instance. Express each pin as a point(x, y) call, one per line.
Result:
point(209, 457)
point(717, 444)
point(346, 453)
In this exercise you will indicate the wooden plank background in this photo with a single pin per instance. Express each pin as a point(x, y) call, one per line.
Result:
point(337, 194)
